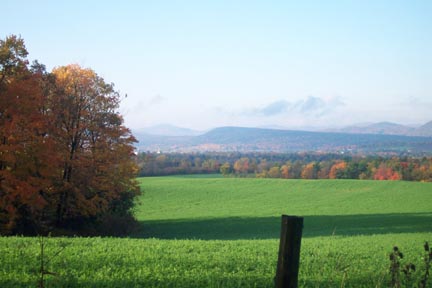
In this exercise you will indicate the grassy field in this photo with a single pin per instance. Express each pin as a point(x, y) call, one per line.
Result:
point(215, 232)
point(233, 208)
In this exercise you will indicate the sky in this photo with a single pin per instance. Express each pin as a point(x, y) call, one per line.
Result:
point(204, 64)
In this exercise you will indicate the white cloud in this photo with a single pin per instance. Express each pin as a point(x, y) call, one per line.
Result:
point(308, 113)
point(309, 107)
point(277, 107)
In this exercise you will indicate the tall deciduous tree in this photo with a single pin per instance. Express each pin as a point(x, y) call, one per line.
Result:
point(13, 59)
point(25, 148)
point(65, 155)
point(97, 171)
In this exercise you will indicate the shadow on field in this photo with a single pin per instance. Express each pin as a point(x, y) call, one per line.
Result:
point(269, 227)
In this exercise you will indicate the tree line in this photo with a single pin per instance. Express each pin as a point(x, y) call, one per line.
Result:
point(65, 155)
point(288, 166)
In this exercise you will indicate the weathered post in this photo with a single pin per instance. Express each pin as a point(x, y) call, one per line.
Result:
point(289, 252)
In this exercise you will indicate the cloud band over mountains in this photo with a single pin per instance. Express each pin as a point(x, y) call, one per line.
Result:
point(311, 106)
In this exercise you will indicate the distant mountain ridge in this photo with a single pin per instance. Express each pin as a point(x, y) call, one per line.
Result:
point(389, 128)
point(381, 128)
point(424, 130)
point(385, 128)
point(241, 139)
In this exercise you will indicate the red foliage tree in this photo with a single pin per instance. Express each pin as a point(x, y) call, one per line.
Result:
point(26, 149)
point(65, 156)
point(383, 172)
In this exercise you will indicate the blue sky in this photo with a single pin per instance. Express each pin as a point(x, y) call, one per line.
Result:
point(203, 64)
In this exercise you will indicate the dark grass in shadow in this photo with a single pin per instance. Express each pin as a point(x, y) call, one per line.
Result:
point(180, 282)
point(233, 228)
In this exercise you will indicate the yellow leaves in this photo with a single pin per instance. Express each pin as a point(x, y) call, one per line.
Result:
point(72, 78)
point(72, 71)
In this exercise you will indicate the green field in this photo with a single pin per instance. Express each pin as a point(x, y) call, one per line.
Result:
point(216, 232)
point(233, 208)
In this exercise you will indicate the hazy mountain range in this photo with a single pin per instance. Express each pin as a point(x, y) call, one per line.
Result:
point(388, 128)
point(384, 128)
point(382, 137)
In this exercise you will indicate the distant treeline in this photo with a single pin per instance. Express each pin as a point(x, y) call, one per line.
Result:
point(288, 166)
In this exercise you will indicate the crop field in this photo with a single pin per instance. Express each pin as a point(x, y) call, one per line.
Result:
point(217, 232)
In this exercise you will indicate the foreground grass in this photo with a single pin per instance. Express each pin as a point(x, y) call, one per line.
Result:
point(355, 261)
point(214, 232)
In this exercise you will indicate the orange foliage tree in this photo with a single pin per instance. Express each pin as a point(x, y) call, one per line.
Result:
point(310, 171)
point(65, 155)
point(285, 171)
point(336, 169)
point(383, 172)
point(94, 146)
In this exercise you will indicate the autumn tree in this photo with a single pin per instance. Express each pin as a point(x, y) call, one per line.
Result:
point(310, 171)
point(274, 172)
point(324, 171)
point(13, 59)
point(65, 155)
point(337, 170)
point(225, 169)
point(296, 169)
point(210, 165)
point(263, 166)
point(241, 166)
point(26, 148)
point(285, 171)
point(383, 172)
point(97, 171)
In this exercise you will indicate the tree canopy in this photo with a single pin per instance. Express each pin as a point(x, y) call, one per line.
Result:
point(65, 156)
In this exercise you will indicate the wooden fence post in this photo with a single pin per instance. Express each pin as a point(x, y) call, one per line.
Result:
point(289, 252)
